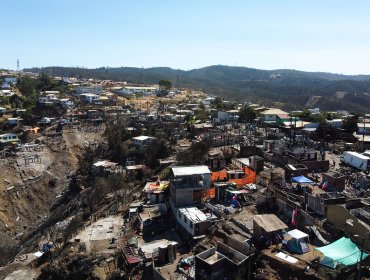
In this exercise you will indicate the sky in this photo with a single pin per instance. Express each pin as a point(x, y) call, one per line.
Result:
point(309, 35)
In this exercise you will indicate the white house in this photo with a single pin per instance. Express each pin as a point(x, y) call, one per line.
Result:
point(89, 88)
point(219, 116)
point(48, 99)
point(193, 220)
point(46, 120)
point(2, 111)
point(271, 115)
point(142, 141)
point(5, 86)
point(208, 100)
point(10, 80)
point(6, 93)
point(89, 97)
point(9, 138)
point(135, 89)
point(314, 111)
point(14, 121)
point(363, 128)
point(66, 103)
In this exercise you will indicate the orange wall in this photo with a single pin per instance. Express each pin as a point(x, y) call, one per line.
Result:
point(221, 175)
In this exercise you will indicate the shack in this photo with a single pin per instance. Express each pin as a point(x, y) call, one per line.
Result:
point(267, 225)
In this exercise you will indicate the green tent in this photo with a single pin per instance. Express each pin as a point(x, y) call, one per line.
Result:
point(343, 251)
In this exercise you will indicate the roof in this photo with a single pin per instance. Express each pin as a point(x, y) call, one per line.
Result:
point(362, 125)
point(361, 156)
point(148, 88)
point(105, 163)
point(193, 214)
point(88, 94)
point(269, 222)
point(190, 170)
point(297, 234)
point(142, 138)
point(135, 167)
point(274, 112)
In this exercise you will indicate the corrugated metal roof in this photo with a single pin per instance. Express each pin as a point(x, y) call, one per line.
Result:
point(269, 222)
point(193, 214)
point(190, 170)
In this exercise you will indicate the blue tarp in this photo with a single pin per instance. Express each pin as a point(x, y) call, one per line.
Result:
point(301, 179)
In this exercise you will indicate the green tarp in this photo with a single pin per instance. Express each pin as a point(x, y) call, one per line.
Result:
point(343, 251)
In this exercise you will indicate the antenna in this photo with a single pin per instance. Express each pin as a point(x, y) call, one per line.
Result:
point(18, 65)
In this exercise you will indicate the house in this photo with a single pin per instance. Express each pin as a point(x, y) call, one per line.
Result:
point(135, 172)
point(219, 116)
point(193, 221)
point(49, 98)
point(46, 120)
point(5, 86)
point(336, 123)
point(363, 128)
point(66, 103)
point(142, 141)
point(208, 100)
point(135, 89)
point(2, 111)
point(14, 121)
point(11, 80)
point(103, 166)
point(9, 138)
point(155, 191)
point(314, 111)
point(89, 97)
point(271, 115)
point(6, 93)
point(189, 184)
point(89, 88)
point(267, 225)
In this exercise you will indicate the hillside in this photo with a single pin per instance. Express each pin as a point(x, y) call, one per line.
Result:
point(28, 195)
point(289, 88)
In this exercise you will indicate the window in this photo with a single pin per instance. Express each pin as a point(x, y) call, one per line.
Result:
point(191, 224)
point(185, 219)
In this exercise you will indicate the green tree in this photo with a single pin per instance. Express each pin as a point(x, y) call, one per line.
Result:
point(27, 85)
point(217, 103)
point(165, 84)
point(158, 149)
point(247, 114)
point(196, 154)
point(350, 124)
point(326, 131)
point(44, 82)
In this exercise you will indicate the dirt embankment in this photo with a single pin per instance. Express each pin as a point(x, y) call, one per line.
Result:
point(32, 181)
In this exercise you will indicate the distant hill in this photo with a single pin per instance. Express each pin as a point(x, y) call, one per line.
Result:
point(289, 89)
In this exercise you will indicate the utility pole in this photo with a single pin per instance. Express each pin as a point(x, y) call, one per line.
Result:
point(362, 252)
point(363, 136)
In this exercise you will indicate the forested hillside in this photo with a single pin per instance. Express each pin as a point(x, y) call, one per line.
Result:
point(289, 89)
